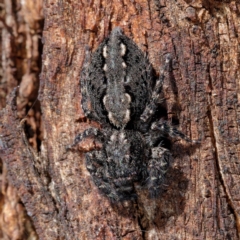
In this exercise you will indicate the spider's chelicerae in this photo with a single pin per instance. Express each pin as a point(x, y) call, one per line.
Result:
point(120, 92)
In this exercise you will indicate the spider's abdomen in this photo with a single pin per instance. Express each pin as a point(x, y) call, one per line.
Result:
point(118, 81)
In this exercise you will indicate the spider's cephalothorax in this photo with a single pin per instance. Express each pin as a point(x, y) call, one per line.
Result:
point(119, 91)
point(118, 164)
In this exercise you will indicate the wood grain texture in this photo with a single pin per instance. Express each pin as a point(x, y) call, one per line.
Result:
point(201, 200)
point(21, 24)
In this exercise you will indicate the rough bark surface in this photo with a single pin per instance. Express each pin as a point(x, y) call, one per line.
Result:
point(21, 24)
point(202, 198)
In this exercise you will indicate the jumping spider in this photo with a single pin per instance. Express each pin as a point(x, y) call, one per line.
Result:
point(119, 91)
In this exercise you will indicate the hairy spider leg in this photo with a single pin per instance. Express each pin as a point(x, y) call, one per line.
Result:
point(151, 108)
point(163, 127)
point(157, 168)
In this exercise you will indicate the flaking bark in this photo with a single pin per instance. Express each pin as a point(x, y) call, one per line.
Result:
point(201, 199)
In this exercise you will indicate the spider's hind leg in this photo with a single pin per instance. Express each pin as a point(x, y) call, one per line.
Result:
point(157, 97)
point(165, 128)
point(94, 133)
point(90, 132)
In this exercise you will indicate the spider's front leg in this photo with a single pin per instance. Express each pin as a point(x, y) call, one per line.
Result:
point(96, 165)
point(96, 162)
point(157, 168)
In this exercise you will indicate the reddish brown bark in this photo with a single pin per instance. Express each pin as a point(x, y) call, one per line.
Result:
point(202, 198)
point(21, 28)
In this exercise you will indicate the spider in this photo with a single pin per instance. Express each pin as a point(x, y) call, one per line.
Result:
point(119, 91)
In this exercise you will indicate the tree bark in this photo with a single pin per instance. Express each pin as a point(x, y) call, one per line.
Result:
point(202, 196)
point(21, 24)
